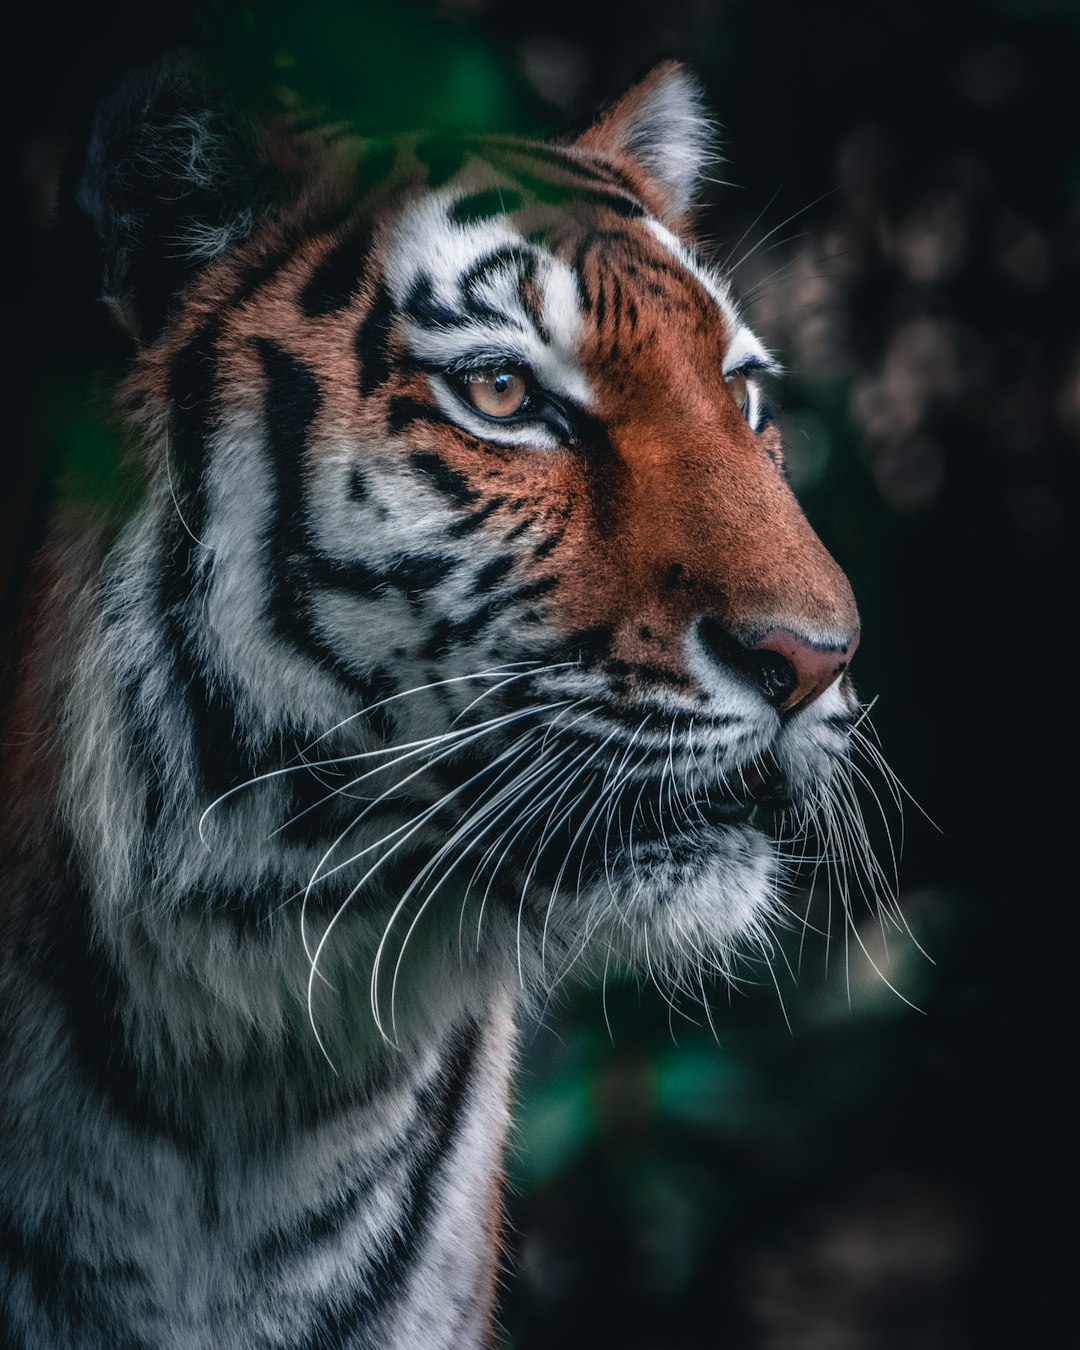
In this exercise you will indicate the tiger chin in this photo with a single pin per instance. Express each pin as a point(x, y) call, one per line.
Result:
point(467, 638)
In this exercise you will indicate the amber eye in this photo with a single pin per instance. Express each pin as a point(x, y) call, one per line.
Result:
point(497, 391)
point(736, 382)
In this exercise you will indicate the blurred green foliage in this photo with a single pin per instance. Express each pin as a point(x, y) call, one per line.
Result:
point(73, 415)
point(386, 65)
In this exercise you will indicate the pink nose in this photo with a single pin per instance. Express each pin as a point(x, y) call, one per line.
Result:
point(792, 672)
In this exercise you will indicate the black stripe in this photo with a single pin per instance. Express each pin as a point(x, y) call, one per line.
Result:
point(545, 546)
point(272, 1084)
point(142, 744)
point(519, 529)
point(577, 194)
point(484, 205)
point(534, 589)
point(423, 308)
point(413, 574)
point(653, 674)
point(248, 914)
point(281, 250)
point(288, 1244)
point(69, 1292)
point(588, 646)
point(262, 269)
point(507, 259)
point(475, 519)
point(215, 735)
point(616, 300)
point(441, 1104)
point(217, 738)
point(510, 152)
point(292, 402)
point(447, 632)
point(373, 342)
point(293, 1240)
point(81, 977)
point(605, 471)
point(631, 715)
point(257, 274)
point(614, 349)
point(358, 488)
point(184, 575)
point(319, 811)
point(450, 482)
point(532, 300)
point(445, 156)
point(404, 411)
point(492, 573)
point(583, 174)
point(581, 253)
point(335, 282)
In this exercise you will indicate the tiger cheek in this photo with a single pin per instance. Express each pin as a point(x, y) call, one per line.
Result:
point(687, 520)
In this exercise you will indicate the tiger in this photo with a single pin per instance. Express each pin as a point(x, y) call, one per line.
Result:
point(464, 637)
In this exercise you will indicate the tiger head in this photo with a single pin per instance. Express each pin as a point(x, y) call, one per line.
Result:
point(487, 606)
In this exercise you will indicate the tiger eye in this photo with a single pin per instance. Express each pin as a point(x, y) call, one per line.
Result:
point(737, 384)
point(499, 391)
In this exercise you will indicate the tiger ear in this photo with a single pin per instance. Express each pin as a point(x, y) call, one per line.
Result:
point(662, 123)
point(173, 176)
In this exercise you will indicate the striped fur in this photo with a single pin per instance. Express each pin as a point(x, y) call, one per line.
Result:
point(381, 714)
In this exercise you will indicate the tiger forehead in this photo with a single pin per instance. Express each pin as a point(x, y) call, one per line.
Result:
point(483, 268)
point(640, 298)
point(471, 285)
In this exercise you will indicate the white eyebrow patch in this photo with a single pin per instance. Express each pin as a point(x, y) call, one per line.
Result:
point(745, 352)
point(477, 312)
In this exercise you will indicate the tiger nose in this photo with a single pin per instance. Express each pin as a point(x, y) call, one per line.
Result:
point(790, 670)
point(793, 672)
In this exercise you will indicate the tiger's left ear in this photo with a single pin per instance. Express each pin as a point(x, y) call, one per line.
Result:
point(172, 176)
point(662, 123)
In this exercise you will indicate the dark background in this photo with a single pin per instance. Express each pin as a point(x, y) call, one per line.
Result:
point(832, 1169)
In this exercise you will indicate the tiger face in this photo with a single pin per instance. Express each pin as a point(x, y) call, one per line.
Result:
point(478, 555)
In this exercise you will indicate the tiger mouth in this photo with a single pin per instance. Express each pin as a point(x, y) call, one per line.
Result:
point(657, 821)
point(652, 817)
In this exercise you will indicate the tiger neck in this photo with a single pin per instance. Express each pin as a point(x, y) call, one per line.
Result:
point(186, 1026)
point(205, 909)
point(390, 1182)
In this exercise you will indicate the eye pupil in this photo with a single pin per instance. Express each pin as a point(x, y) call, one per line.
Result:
point(498, 391)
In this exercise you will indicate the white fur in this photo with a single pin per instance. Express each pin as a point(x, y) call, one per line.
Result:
point(426, 242)
point(671, 135)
